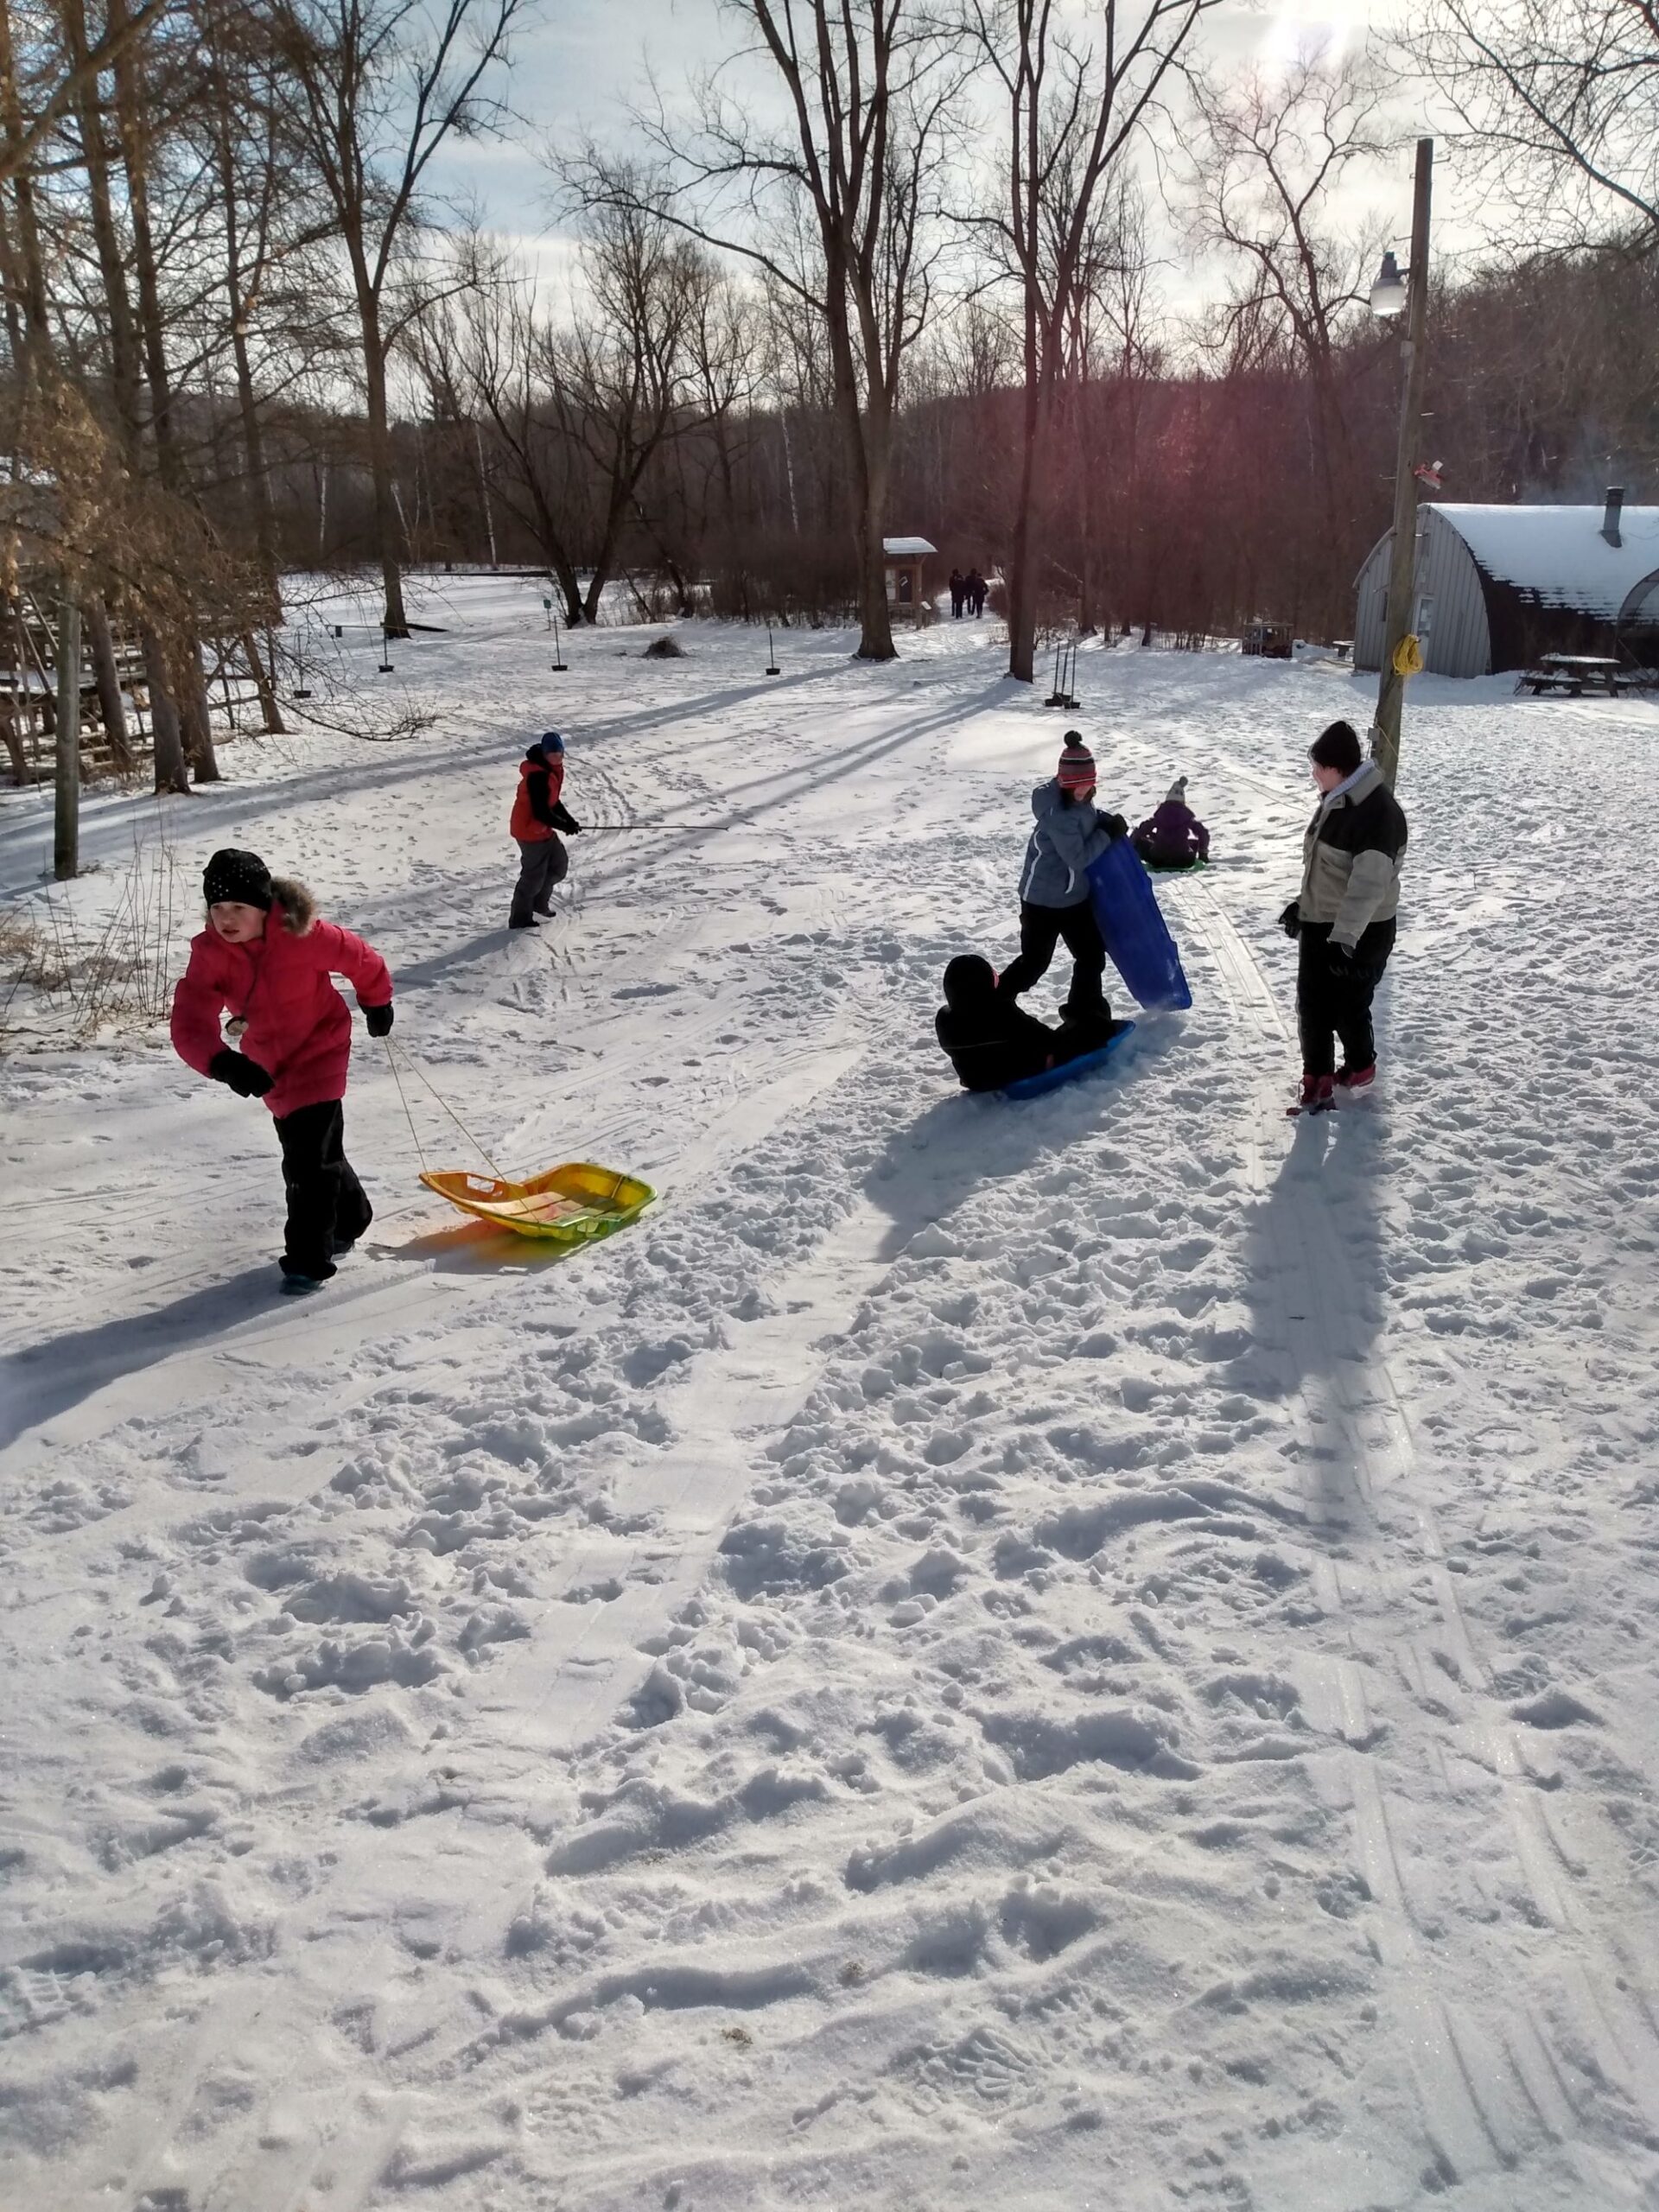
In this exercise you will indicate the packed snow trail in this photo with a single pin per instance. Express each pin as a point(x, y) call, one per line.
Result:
point(1090, 1653)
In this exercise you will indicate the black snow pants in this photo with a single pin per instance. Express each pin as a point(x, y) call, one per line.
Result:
point(543, 861)
point(1334, 1002)
point(1041, 929)
point(327, 1208)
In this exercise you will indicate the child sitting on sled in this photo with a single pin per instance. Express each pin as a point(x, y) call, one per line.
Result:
point(1172, 836)
point(992, 1041)
point(266, 959)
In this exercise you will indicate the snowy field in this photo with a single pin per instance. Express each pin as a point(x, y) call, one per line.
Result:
point(1081, 1657)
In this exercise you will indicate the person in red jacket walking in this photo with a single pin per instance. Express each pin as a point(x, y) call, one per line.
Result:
point(267, 959)
point(539, 815)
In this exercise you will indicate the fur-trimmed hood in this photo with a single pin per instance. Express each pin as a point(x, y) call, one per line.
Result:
point(299, 907)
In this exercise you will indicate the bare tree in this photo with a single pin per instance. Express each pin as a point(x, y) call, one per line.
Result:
point(867, 86)
point(1072, 105)
point(377, 87)
point(1267, 154)
point(1558, 106)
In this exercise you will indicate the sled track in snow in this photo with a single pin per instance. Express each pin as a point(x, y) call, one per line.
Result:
point(1492, 2084)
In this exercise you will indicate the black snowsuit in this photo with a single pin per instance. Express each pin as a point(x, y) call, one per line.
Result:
point(327, 1207)
point(991, 1041)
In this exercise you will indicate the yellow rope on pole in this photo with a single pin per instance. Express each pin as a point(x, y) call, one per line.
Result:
point(1408, 655)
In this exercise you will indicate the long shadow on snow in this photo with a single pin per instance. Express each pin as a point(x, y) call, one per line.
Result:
point(784, 785)
point(936, 1163)
point(212, 810)
point(45, 1380)
point(1314, 1279)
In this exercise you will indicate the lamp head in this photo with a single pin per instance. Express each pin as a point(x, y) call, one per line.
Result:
point(1389, 293)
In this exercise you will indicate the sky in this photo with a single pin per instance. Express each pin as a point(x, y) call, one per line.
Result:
point(576, 71)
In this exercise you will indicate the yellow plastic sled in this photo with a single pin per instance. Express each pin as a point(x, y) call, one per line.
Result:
point(572, 1205)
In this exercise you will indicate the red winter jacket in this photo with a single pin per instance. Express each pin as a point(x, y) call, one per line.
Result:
point(539, 785)
point(298, 1027)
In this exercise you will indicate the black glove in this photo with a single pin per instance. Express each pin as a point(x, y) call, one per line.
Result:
point(1291, 920)
point(378, 1018)
point(1340, 957)
point(240, 1074)
point(1114, 825)
point(564, 819)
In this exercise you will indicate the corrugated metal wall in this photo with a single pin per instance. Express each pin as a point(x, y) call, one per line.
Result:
point(1451, 612)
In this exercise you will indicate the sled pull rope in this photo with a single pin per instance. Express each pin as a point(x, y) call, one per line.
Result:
point(416, 1070)
point(403, 1100)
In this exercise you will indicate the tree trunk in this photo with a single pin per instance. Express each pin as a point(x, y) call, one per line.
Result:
point(869, 442)
point(170, 768)
point(65, 823)
point(1022, 584)
point(112, 705)
point(385, 504)
point(270, 713)
point(192, 717)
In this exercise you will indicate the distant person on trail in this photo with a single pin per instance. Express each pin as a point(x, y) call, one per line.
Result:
point(958, 592)
point(992, 1041)
point(1054, 896)
point(977, 589)
point(539, 815)
point(1344, 917)
point(267, 958)
point(1172, 836)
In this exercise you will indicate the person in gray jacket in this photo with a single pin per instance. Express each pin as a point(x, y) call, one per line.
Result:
point(1054, 900)
point(1342, 918)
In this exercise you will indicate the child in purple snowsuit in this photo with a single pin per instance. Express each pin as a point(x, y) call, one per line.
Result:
point(1172, 836)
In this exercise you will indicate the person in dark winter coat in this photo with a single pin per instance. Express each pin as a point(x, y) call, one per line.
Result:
point(958, 592)
point(990, 1038)
point(539, 815)
point(1343, 919)
point(977, 589)
point(1054, 897)
point(1172, 836)
point(267, 959)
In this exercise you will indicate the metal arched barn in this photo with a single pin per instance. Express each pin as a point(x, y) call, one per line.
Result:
point(1498, 586)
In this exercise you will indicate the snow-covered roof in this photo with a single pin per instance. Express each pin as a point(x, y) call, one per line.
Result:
point(1559, 552)
point(906, 548)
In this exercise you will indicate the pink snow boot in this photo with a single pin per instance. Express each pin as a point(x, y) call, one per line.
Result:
point(1319, 1095)
point(1349, 1078)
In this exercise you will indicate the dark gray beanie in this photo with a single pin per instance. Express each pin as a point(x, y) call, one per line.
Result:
point(1337, 748)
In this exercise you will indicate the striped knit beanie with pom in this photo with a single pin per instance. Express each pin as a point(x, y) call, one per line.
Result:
point(1076, 769)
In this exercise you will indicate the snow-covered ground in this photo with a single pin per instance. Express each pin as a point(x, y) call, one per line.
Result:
point(1092, 1654)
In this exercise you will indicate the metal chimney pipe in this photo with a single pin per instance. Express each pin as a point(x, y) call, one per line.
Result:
point(1615, 508)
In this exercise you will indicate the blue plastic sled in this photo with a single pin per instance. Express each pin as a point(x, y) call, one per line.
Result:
point(1141, 949)
point(1033, 1086)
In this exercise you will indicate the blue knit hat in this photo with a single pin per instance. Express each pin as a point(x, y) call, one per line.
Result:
point(550, 741)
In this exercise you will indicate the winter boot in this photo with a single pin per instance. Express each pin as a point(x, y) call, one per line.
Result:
point(1349, 1078)
point(300, 1285)
point(1319, 1095)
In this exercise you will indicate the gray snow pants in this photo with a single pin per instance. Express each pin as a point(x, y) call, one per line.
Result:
point(542, 863)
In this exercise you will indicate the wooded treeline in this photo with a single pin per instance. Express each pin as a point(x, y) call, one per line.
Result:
point(242, 339)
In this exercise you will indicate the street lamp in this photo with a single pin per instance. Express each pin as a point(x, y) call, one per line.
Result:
point(1390, 293)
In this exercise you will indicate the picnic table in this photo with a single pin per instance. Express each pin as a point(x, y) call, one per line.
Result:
point(1571, 674)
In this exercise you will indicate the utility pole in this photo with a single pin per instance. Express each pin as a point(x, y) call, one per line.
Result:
point(1402, 564)
point(66, 827)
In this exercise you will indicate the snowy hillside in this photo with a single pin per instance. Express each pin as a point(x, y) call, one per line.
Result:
point(1098, 1654)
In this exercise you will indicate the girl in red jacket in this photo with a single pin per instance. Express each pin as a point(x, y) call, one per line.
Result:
point(267, 959)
